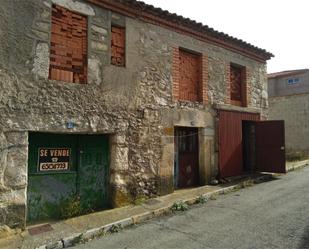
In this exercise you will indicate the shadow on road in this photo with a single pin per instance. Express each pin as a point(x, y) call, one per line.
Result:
point(304, 244)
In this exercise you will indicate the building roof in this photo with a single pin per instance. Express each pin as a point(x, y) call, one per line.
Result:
point(287, 73)
point(157, 16)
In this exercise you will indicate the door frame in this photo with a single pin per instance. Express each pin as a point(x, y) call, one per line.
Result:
point(76, 159)
point(249, 146)
point(176, 155)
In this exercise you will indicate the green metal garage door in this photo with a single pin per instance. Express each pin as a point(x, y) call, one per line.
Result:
point(68, 175)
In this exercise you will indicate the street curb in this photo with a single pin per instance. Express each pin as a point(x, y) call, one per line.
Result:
point(298, 165)
point(116, 226)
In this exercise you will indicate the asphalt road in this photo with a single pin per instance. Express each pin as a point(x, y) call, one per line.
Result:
point(274, 214)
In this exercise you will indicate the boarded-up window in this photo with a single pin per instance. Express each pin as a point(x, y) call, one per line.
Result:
point(238, 85)
point(189, 76)
point(68, 49)
point(118, 46)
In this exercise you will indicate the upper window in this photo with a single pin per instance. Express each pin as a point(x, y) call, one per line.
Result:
point(68, 48)
point(238, 85)
point(189, 76)
point(118, 46)
point(293, 81)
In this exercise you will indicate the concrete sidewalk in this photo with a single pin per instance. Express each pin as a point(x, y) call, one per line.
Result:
point(66, 233)
point(291, 166)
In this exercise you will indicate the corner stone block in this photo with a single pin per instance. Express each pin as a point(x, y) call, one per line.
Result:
point(99, 30)
point(17, 138)
point(3, 159)
point(166, 171)
point(119, 153)
point(76, 6)
point(94, 71)
point(99, 46)
point(15, 174)
point(13, 216)
point(41, 60)
point(119, 197)
point(15, 170)
point(119, 139)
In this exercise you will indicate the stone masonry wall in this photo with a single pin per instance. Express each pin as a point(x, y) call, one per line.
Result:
point(133, 104)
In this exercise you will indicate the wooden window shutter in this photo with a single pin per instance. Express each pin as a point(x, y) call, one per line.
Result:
point(118, 46)
point(189, 76)
point(238, 85)
point(68, 49)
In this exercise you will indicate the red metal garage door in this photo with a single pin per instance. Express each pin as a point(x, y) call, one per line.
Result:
point(230, 141)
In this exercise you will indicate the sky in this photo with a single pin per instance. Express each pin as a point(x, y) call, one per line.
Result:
point(278, 26)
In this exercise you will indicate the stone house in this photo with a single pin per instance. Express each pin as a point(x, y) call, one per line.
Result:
point(104, 102)
point(289, 100)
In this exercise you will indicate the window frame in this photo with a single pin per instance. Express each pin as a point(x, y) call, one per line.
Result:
point(243, 85)
point(84, 55)
point(293, 81)
point(198, 58)
point(124, 45)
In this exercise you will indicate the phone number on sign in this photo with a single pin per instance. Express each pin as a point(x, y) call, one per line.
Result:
point(54, 166)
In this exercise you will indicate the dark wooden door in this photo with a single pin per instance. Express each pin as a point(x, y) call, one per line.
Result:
point(270, 146)
point(187, 167)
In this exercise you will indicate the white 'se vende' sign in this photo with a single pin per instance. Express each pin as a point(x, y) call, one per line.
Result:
point(54, 159)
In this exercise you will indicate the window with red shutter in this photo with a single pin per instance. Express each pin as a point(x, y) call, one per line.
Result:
point(238, 85)
point(189, 76)
point(118, 46)
point(68, 48)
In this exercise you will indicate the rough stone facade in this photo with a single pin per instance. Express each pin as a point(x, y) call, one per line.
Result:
point(133, 104)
